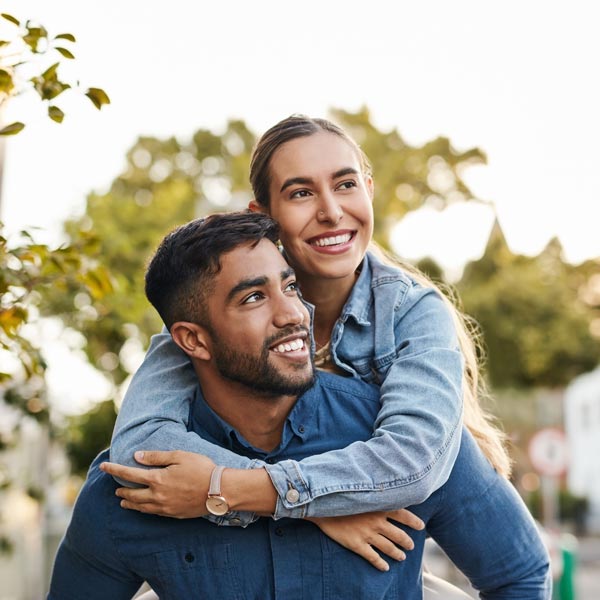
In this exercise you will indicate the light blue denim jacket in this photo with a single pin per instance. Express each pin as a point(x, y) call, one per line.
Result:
point(393, 332)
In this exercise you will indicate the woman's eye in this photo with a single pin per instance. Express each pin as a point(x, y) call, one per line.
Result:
point(346, 185)
point(255, 297)
point(300, 194)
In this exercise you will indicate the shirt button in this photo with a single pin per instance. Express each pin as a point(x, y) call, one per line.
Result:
point(301, 429)
point(270, 460)
point(235, 521)
point(279, 531)
point(189, 557)
point(292, 495)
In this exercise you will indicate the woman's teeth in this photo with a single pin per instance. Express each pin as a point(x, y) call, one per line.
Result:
point(333, 240)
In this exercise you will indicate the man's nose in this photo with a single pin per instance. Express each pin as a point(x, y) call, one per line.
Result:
point(290, 311)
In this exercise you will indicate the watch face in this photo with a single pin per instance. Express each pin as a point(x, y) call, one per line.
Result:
point(217, 505)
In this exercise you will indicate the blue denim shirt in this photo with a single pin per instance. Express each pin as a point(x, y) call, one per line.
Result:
point(392, 332)
point(477, 518)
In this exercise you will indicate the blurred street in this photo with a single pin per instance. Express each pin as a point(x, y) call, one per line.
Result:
point(587, 570)
point(587, 574)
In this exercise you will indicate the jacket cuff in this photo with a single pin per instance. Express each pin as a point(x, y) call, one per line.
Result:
point(292, 490)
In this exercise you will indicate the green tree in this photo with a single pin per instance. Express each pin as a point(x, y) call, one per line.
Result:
point(536, 314)
point(408, 177)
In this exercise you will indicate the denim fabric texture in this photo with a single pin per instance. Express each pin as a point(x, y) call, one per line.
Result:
point(476, 516)
point(392, 332)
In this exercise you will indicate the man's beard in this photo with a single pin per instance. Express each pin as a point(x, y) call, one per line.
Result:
point(258, 374)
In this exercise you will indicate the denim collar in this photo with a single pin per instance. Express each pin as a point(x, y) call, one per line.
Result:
point(298, 423)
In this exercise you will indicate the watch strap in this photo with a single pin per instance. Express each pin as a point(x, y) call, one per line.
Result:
point(214, 487)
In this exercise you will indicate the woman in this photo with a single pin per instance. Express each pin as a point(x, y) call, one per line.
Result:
point(386, 324)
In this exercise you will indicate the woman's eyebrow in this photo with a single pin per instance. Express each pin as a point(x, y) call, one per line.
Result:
point(294, 180)
point(308, 180)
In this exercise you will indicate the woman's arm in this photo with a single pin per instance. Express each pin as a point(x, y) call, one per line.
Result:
point(155, 412)
point(417, 432)
point(415, 442)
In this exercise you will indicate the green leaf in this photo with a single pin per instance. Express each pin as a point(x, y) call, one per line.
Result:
point(33, 36)
point(12, 129)
point(6, 81)
point(65, 36)
point(66, 53)
point(10, 18)
point(56, 114)
point(98, 97)
point(50, 72)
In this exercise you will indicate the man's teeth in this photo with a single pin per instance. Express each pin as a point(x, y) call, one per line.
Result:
point(333, 240)
point(289, 346)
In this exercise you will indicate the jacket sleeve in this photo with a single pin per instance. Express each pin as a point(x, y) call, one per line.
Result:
point(484, 527)
point(155, 413)
point(417, 431)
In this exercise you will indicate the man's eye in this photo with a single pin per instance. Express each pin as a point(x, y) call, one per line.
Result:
point(292, 286)
point(254, 297)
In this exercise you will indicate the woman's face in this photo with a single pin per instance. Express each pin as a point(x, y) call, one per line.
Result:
point(323, 203)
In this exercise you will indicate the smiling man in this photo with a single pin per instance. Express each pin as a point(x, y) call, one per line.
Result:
point(230, 302)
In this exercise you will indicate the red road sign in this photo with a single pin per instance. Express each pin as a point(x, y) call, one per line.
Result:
point(548, 452)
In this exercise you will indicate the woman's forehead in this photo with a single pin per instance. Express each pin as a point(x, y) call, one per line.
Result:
point(320, 153)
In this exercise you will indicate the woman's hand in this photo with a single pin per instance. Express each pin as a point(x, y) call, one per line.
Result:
point(364, 533)
point(178, 490)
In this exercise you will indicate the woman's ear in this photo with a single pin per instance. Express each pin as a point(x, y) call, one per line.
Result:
point(370, 186)
point(254, 206)
point(192, 338)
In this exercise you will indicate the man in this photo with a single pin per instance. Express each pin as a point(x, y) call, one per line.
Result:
point(230, 302)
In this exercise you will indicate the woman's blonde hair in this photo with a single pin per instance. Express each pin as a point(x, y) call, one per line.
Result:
point(480, 423)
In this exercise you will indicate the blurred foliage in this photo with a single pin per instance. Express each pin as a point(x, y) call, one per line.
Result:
point(537, 314)
point(88, 434)
point(570, 508)
point(31, 272)
point(167, 182)
point(408, 177)
point(29, 61)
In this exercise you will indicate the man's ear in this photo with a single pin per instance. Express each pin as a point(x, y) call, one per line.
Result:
point(192, 338)
point(254, 206)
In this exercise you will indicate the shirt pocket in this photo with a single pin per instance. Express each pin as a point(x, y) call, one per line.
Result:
point(205, 571)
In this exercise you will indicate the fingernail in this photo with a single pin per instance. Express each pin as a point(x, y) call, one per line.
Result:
point(386, 568)
point(139, 455)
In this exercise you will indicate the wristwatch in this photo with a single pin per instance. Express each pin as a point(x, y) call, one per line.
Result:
point(215, 503)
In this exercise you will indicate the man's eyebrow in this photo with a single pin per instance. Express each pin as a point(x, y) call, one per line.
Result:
point(307, 180)
point(289, 272)
point(244, 285)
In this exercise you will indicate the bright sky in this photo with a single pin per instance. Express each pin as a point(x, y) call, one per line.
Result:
point(517, 79)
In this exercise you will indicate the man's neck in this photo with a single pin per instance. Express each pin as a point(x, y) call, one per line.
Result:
point(257, 417)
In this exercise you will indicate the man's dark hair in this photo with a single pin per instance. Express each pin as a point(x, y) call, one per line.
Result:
point(180, 274)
